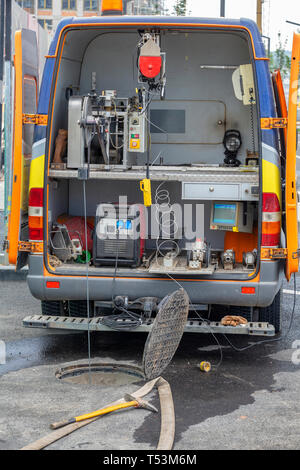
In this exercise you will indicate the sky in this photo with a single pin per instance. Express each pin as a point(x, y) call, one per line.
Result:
point(275, 14)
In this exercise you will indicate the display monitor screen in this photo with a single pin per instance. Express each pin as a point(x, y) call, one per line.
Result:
point(224, 214)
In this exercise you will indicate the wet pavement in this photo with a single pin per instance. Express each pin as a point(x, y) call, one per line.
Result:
point(251, 400)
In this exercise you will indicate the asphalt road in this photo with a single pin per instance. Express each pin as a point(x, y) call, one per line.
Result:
point(251, 401)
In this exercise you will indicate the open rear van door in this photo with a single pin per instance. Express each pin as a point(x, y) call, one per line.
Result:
point(25, 107)
point(282, 111)
point(291, 222)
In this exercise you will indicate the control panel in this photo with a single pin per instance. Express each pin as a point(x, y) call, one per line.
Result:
point(137, 133)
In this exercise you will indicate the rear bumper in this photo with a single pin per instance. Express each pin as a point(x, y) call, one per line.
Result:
point(201, 292)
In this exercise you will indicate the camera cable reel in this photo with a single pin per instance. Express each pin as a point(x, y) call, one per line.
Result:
point(87, 128)
point(152, 63)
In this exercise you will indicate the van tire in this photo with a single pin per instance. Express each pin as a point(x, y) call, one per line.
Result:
point(272, 313)
point(78, 308)
point(53, 308)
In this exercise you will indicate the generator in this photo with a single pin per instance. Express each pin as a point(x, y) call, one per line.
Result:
point(119, 236)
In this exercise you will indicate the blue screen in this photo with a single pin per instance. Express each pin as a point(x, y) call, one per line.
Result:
point(224, 214)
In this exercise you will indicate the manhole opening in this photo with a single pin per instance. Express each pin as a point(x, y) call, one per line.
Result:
point(101, 374)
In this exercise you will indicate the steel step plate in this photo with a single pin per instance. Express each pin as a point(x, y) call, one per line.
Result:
point(191, 326)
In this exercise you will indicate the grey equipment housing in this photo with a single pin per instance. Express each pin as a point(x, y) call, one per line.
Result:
point(109, 119)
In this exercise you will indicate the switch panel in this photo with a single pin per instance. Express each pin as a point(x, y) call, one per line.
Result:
point(137, 140)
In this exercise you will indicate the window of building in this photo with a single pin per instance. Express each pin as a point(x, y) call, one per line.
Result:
point(68, 5)
point(27, 5)
point(91, 5)
point(46, 24)
point(45, 4)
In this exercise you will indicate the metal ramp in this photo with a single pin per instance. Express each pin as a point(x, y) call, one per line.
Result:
point(192, 326)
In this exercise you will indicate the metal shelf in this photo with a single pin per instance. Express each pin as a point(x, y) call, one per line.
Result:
point(206, 174)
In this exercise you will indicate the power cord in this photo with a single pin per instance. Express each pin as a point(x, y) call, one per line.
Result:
point(273, 339)
point(250, 345)
point(117, 321)
point(87, 281)
point(216, 366)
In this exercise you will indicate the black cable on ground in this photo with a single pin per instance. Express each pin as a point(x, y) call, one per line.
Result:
point(281, 338)
point(249, 345)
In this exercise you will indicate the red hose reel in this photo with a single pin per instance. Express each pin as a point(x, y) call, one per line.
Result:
point(150, 60)
point(149, 66)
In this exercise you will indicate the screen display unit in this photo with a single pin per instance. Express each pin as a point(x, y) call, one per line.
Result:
point(232, 216)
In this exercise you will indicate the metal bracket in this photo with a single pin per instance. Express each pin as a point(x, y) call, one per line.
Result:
point(30, 247)
point(5, 245)
point(273, 123)
point(39, 119)
point(274, 253)
point(296, 254)
point(278, 253)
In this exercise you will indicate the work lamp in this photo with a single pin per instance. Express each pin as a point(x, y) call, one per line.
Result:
point(232, 142)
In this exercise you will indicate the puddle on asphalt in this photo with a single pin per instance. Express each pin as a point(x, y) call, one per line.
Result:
point(106, 375)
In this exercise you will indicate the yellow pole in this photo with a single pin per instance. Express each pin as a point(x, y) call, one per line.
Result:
point(259, 14)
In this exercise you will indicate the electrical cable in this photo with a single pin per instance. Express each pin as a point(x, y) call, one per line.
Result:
point(252, 122)
point(146, 107)
point(87, 281)
point(117, 321)
point(163, 196)
point(250, 345)
point(157, 127)
point(216, 366)
point(156, 158)
point(166, 198)
point(164, 221)
point(273, 339)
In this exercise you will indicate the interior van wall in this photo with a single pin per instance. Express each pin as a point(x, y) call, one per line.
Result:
point(205, 94)
point(69, 73)
point(100, 191)
point(58, 199)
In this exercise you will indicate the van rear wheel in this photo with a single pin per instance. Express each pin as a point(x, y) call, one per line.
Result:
point(53, 308)
point(272, 313)
point(241, 311)
point(78, 308)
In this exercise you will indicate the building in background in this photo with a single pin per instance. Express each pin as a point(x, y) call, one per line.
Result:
point(50, 12)
point(26, 19)
point(145, 7)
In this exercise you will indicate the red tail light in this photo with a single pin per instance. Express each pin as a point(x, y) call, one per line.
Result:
point(271, 220)
point(53, 284)
point(248, 290)
point(35, 214)
point(36, 197)
point(270, 202)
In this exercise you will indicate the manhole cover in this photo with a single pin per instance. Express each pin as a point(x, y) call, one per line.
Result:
point(101, 374)
point(166, 333)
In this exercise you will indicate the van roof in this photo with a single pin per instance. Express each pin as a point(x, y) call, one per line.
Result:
point(244, 23)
